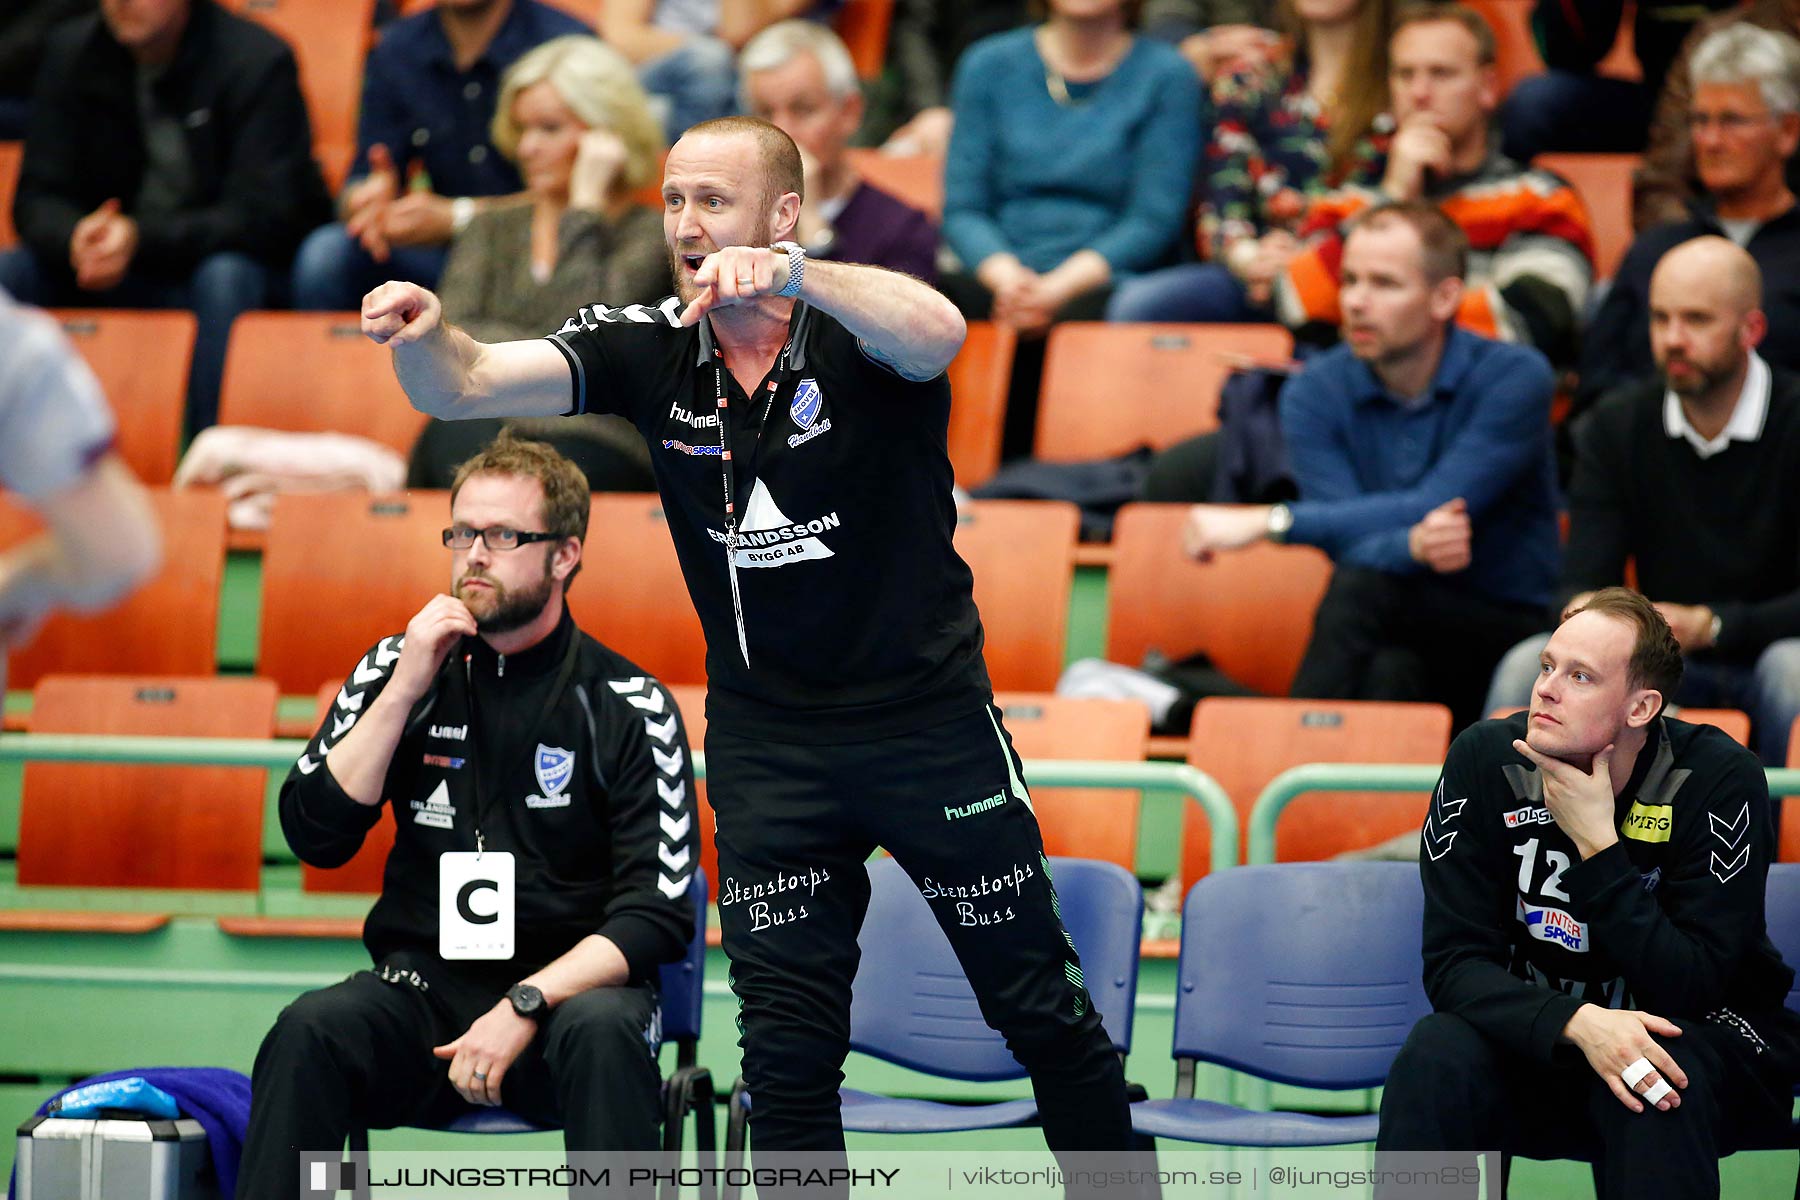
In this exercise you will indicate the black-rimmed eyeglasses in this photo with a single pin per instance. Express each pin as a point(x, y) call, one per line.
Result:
point(494, 537)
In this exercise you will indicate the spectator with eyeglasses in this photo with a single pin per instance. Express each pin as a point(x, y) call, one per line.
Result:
point(541, 779)
point(1744, 128)
point(1662, 187)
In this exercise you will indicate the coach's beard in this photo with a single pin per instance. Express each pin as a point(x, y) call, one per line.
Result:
point(762, 235)
point(502, 610)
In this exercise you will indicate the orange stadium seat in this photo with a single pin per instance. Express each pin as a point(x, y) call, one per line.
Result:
point(1250, 611)
point(917, 179)
point(329, 39)
point(167, 627)
point(1516, 45)
point(1733, 722)
point(863, 24)
point(142, 360)
point(979, 377)
point(1110, 388)
point(1516, 52)
point(340, 571)
point(1081, 822)
point(12, 156)
point(1022, 553)
point(581, 10)
point(131, 825)
point(1621, 62)
point(1245, 743)
point(631, 594)
point(347, 384)
point(1603, 181)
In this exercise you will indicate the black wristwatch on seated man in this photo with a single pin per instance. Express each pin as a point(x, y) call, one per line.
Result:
point(527, 1001)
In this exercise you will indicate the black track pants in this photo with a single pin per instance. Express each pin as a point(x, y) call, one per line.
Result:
point(360, 1051)
point(947, 802)
point(1451, 1088)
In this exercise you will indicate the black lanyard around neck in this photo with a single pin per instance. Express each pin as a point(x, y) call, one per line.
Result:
point(563, 674)
point(787, 369)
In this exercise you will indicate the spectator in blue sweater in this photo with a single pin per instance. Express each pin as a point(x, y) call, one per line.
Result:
point(1070, 167)
point(1423, 457)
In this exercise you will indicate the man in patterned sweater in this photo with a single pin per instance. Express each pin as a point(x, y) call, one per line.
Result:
point(1594, 937)
point(1532, 251)
point(541, 781)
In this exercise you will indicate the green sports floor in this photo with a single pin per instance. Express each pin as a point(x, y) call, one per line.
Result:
point(189, 994)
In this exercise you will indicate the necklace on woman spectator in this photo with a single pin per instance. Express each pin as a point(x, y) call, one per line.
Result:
point(1057, 84)
point(1059, 88)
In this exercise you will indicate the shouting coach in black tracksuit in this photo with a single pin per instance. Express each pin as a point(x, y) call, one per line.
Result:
point(797, 413)
point(1594, 876)
point(540, 786)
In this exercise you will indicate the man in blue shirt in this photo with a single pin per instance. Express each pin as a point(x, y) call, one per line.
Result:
point(1424, 461)
point(429, 89)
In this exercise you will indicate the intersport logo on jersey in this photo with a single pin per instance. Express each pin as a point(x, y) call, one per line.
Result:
point(770, 538)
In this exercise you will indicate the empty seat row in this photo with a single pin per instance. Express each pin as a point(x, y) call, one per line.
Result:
point(341, 569)
point(142, 358)
point(1107, 389)
point(150, 826)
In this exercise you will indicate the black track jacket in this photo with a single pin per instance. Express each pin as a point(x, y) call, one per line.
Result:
point(593, 796)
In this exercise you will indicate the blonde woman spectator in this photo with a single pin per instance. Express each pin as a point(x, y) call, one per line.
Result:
point(573, 117)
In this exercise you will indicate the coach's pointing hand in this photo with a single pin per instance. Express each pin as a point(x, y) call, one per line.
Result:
point(734, 275)
point(398, 314)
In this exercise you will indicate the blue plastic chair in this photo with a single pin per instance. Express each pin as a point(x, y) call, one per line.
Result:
point(1300, 973)
point(688, 1089)
point(911, 1004)
point(1781, 912)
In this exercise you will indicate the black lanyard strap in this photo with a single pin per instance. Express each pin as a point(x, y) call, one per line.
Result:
point(787, 370)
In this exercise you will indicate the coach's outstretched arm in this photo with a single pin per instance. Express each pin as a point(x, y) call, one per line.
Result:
point(909, 325)
point(450, 375)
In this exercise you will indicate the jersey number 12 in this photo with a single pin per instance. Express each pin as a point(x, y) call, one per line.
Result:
point(1559, 862)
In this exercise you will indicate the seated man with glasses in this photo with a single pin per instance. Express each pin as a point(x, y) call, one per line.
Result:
point(1743, 127)
point(544, 841)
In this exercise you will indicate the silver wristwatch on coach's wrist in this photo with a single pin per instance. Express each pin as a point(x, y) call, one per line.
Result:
point(796, 256)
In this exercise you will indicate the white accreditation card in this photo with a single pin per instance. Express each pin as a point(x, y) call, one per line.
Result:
point(475, 905)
